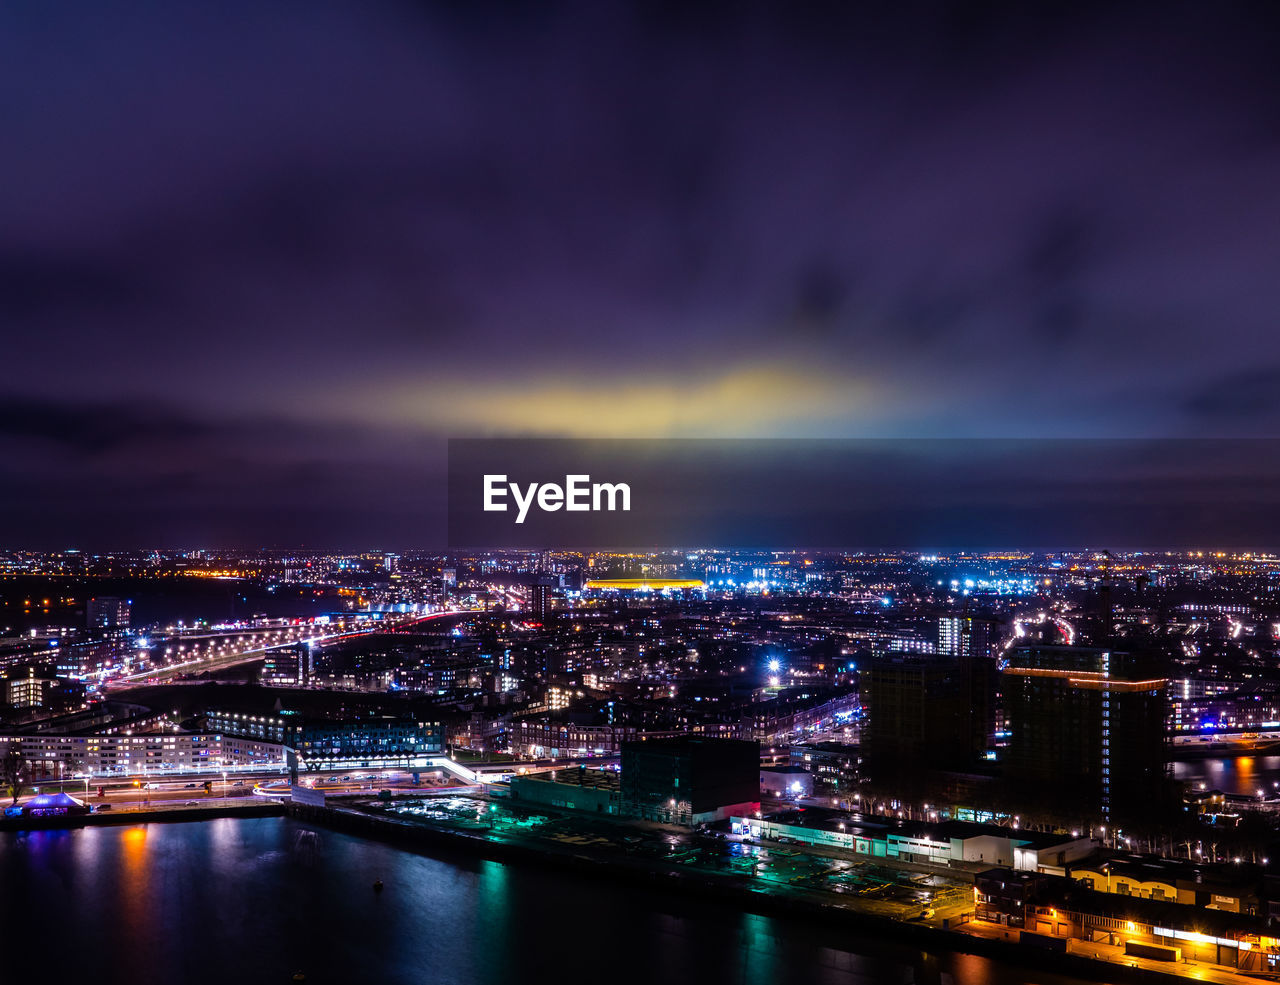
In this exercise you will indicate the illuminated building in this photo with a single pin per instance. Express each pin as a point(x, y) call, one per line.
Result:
point(1172, 880)
point(326, 739)
point(288, 665)
point(128, 755)
point(833, 762)
point(938, 843)
point(967, 636)
point(28, 689)
point(540, 594)
point(1087, 732)
point(107, 612)
point(53, 805)
point(38, 685)
point(786, 781)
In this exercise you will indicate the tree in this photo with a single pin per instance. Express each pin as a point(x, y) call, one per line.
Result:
point(12, 769)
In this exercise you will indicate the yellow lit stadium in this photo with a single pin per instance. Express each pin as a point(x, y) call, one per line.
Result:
point(643, 584)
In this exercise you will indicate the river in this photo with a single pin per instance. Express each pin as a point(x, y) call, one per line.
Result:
point(244, 901)
point(1233, 774)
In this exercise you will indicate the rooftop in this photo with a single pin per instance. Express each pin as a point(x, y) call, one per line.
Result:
point(579, 777)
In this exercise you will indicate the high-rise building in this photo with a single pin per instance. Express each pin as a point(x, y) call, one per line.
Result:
point(951, 639)
point(107, 612)
point(37, 686)
point(290, 664)
point(967, 635)
point(917, 717)
point(1087, 728)
point(540, 594)
point(27, 690)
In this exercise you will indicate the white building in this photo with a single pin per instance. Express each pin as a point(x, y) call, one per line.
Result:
point(54, 756)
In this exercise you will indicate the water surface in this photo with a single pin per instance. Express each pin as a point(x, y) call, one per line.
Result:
point(255, 900)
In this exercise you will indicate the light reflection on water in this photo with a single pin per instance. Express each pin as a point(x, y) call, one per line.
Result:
point(1234, 774)
point(254, 900)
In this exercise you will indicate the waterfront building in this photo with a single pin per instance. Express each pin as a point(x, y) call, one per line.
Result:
point(49, 805)
point(336, 741)
point(690, 779)
point(937, 843)
point(1057, 908)
point(574, 788)
point(1172, 880)
point(323, 739)
point(54, 757)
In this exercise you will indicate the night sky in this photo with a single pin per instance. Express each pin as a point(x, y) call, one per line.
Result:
point(257, 261)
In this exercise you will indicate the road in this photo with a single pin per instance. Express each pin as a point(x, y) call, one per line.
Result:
point(133, 793)
point(221, 652)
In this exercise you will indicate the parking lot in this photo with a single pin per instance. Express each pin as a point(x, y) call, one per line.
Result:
point(872, 887)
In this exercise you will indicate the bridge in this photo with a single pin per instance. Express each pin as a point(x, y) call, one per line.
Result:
point(252, 653)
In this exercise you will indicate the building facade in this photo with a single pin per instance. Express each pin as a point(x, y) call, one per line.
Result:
point(690, 779)
point(1087, 728)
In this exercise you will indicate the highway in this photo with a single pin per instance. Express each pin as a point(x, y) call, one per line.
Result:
point(221, 651)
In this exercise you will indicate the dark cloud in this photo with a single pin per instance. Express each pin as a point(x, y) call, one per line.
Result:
point(120, 475)
point(416, 218)
point(35, 286)
point(93, 430)
point(1240, 398)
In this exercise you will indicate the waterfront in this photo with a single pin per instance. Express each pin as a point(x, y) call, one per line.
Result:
point(1246, 774)
point(256, 900)
point(28, 601)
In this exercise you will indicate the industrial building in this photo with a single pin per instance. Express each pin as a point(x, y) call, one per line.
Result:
point(941, 843)
point(1057, 908)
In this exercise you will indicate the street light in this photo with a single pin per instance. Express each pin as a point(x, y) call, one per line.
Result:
point(224, 784)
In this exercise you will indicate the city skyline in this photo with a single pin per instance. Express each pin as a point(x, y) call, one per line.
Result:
point(1068, 750)
point(366, 366)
